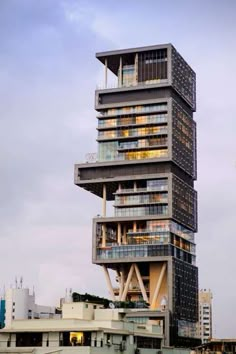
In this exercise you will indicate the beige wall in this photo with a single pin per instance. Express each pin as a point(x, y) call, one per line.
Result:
point(76, 350)
point(90, 350)
point(107, 314)
point(78, 310)
point(205, 296)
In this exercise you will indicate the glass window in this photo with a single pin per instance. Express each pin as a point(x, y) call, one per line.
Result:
point(107, 151)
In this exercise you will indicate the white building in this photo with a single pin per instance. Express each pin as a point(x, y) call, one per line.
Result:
point(205, 315)
point(87, 328)
point(20, 304)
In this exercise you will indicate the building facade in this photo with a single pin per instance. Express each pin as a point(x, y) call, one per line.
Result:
point(20, 304)
point(205, 315)
point(146, 165)
point(84, 328)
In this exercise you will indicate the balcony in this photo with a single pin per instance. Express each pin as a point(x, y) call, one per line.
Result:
point(138, 145)
point(138, 201)
point(152, 209)
point(139, 240)
point(133, 251)
point(161, 188)
point(131, 83)
point(134, 133)
point(148, 232)
point(131, 121)
point(161, 107)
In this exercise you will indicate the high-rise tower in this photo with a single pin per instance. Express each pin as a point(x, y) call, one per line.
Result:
point(146, 165)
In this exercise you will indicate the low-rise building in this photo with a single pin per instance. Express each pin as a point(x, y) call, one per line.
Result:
point(20, 304)
point(85, 328)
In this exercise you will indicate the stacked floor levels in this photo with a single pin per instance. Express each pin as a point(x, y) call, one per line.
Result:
point(146, 165)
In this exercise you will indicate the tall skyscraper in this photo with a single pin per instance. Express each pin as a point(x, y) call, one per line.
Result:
point(146, 165)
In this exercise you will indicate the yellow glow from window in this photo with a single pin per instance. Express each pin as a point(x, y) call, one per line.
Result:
point(76, 337)
point(145, 154)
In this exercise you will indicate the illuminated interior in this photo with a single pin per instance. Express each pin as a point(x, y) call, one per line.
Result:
point(76, 338)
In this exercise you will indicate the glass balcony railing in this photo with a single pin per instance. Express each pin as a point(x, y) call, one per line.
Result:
point(136, 132)
point(131, 82)
point(134, 251)
point(140, 200)
point(163, 187)
point(148, 232)
point(149, 240)
point(140, 144)
point(142, 211)
point(127, 121)
point(181, 231)
point(134, 110)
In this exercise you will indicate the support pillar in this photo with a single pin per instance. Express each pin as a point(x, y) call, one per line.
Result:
point(119, 233)
point(106, 73)
point(104, 200)
point(140, 280)
point(158, 286)
point(123, 297)
point(122, 281)
point(136, 69)
point(104, 229)
point(108, 279)
point(124, 235)
point(120, 73)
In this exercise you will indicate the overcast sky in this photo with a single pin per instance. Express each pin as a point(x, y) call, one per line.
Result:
point(48, 74)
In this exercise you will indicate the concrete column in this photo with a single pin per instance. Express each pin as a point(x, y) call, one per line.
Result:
point(122, 282)
point(134, 226)
point(109, 284)
point(45, 342)
point(104, 200)
point(106, 73)
point(54, 339)
point(123, 297)
point(120, 73)
point(124, 235)
point(119, 233)
point(136, 69)
point(140, 280)
point(13, 339)
point(104, 229)
point(135, 186)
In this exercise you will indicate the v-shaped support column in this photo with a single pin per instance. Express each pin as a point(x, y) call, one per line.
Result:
point(158, 286)
point(109, 284)
point(140, 281)
point(127, 283)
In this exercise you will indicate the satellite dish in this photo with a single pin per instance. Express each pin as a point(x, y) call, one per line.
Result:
point(111, 305)
point(163, 301)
